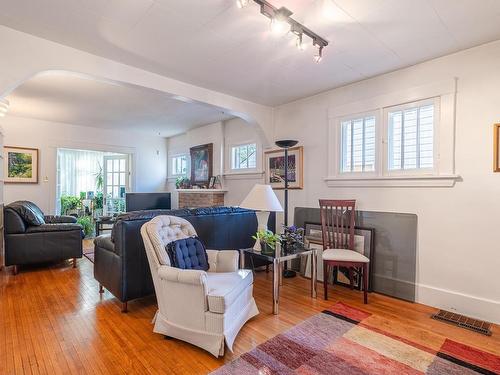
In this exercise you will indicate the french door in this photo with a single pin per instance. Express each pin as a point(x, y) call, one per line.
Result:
point(116, 182)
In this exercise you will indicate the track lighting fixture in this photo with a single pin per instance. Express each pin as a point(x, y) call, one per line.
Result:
point(242, 3)
point(318, 56)
point(282, 23)
point(299, 43)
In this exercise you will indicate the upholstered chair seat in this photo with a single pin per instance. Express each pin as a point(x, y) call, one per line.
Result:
point(344, 255)
point(204, 308)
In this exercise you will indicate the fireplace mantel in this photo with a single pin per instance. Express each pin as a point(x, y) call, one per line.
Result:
point(194, 198)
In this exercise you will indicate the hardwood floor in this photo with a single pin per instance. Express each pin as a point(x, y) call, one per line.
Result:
point(54, 321)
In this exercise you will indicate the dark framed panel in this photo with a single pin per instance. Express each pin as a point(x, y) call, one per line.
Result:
point(364, 243)
point(201, 164)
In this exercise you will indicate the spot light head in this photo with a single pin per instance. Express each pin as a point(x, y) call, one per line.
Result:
point(242, 3)
point(319, 55)
point(279, 21)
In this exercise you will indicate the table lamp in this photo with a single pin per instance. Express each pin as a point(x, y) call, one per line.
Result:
point(263, 200)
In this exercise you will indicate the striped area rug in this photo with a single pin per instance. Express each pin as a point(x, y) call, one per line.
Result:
point(342, 340)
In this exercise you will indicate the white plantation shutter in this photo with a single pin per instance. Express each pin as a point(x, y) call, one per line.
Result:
point(358, 144)
point(411, 137)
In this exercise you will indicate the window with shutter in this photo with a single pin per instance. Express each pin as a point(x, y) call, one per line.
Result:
point(410, 136)
point(358, 144)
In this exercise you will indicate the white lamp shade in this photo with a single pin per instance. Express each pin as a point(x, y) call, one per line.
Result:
point(262, 198)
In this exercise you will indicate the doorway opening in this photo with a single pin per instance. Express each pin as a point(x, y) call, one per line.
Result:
point(91, 184)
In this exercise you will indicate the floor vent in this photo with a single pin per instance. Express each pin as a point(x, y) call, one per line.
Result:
point(463, 321)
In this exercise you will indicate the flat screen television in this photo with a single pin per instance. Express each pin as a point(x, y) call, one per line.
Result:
point(147, 201)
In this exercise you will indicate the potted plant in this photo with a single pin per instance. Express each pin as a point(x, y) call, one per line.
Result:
point(182, 183)
point(267, 241)
point(88, 225)
point(292, 237)
point(70, 205)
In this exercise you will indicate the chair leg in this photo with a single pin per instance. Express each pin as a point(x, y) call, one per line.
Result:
point(101, 289)
point(365, 282)
point(325, 278)
point(15, 270)
point(74, 262)
point(351, 277)
point(124, 307)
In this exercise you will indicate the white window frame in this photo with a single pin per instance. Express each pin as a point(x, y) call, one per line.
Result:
point(413, 171)
point(442, 175)
point(231, 173)
point(172, 157)
point(376, 115)
point(231, 149)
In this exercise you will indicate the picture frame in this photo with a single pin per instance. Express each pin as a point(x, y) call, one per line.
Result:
point(496, 148)
point(201, 164)
point(274, 168)
point(20, 165)
point(364, 243)
point(211, 184)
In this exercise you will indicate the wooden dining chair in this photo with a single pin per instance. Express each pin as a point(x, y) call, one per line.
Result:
point(337, 224)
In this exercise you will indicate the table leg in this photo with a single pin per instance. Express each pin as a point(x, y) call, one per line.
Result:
point(281, 266)
point(314, 273)
point(276, 285)
point(242, 259)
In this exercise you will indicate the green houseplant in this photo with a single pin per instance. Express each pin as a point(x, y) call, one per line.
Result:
point(267, 241)
point(88, 225)
point(69, 204)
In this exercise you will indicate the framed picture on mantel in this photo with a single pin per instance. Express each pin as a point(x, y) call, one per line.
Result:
point(20, 165)
point(496, 148)
point(275, 168)
point(201, 164)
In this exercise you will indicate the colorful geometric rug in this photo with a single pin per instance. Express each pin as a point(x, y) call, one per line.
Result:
point(341, 340)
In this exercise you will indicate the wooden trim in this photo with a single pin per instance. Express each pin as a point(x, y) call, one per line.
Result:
point(36, 167)
point(496, 150)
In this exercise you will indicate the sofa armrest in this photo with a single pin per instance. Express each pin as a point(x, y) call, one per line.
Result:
point(177, 275)
point(52, 219)
point(223, 260)
point(104, 241)
point(62, 227)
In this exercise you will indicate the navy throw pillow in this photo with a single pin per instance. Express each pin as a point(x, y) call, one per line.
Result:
point(188, 254)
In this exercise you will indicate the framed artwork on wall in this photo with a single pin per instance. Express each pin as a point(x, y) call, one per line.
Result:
point(496, 148)
point(20, 165)
point(275, 168)
point(201, 164)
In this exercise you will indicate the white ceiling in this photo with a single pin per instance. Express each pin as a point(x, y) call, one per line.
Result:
point(212, 43)
point(87, 102)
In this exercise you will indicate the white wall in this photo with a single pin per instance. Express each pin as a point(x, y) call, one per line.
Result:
point(458, 242)
point(149, 155)
point(222, 135)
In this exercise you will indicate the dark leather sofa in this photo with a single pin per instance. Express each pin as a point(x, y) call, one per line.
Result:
point(32, 237)
point(121, 265)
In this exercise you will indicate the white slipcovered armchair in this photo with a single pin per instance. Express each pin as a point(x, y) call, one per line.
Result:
point(202, 308)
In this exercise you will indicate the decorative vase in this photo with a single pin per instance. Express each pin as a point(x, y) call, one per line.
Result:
point(266, 248)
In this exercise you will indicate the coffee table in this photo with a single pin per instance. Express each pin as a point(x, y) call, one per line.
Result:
point(278, 258)
point(104, 223)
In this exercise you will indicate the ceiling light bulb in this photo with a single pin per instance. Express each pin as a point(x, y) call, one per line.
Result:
point(318, 56)
point(301, 46)
point(241, 3)
point(279, 26)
